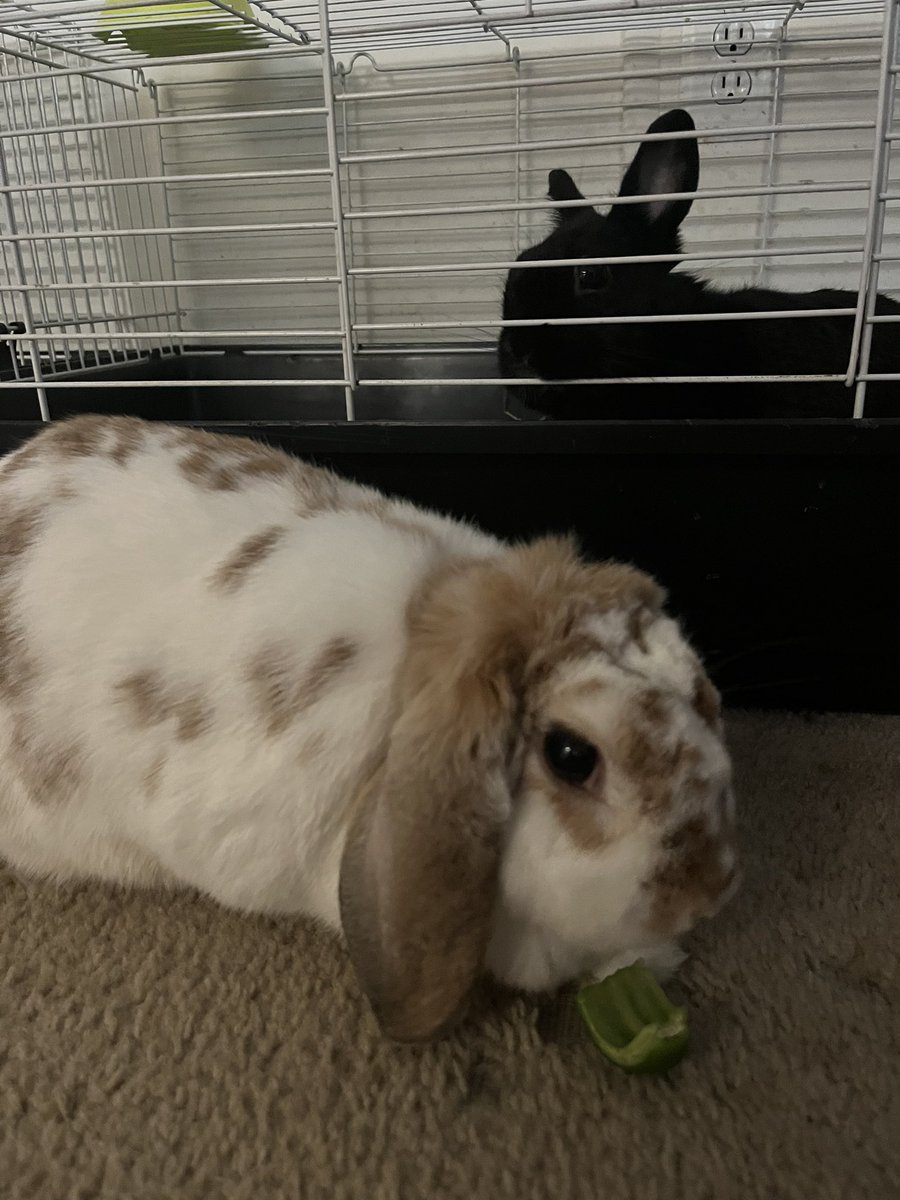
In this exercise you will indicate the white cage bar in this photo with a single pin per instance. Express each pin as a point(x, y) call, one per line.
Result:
point(297, 192)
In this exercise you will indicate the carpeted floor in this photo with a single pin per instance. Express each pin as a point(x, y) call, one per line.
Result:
point(158, 1048)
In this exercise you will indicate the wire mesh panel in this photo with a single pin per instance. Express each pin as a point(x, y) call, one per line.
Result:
point(75, 148)
point(297, 211)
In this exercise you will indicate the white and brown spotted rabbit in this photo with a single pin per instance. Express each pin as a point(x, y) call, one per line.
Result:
point(222, 668)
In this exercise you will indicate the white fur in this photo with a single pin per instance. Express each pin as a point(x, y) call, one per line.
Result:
point(118, 582)
point(567, 912)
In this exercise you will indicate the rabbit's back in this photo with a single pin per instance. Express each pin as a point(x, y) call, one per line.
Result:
point(198, 634)
point(788, 346)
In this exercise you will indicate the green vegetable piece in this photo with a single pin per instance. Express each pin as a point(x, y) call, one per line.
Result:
point(632, 1022)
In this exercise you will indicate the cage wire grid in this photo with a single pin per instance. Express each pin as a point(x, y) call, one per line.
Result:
point(92, 274)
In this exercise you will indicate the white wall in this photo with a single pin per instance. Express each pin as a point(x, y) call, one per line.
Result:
point(624, 104)
point(469, 117)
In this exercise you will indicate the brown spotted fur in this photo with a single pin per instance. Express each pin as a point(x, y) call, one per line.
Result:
point(485, 636)
point(283, 693)
point(481, 635)
point(706, 700)
point(45, 769)
point(249, 554)
point(691, 878)
point(152, 700)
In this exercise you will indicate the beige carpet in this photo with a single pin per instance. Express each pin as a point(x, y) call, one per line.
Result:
point(158, 1047)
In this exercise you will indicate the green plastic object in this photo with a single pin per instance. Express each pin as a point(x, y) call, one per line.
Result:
point(632, 1021)
point(185, 27)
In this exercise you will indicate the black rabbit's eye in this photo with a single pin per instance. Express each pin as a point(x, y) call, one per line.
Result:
point(570, 757)
point(592, 279)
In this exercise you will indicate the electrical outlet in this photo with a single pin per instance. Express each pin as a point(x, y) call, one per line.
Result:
point(733, 38)
point(696, 90)
point(731, 87)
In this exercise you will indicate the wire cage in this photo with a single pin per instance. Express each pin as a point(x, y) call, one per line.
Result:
point(296, 219)
point(295, 211)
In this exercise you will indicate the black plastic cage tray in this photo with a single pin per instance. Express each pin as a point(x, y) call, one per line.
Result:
point(776, 540)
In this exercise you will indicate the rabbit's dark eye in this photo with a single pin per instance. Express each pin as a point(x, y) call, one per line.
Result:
point(592, 279)
point(570, 757)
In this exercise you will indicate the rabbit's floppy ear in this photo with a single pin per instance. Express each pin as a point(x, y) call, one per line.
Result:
point(561, 186)
point(660, 167)
point(420, 865)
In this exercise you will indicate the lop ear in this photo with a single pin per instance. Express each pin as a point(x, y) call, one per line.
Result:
point(657, 168)
point(419, 870)
point(561, 186)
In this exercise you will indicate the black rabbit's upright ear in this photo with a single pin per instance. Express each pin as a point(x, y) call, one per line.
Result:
point(562, 187)
point(658, 168)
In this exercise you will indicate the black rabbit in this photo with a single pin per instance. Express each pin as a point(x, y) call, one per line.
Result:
point(778, 346)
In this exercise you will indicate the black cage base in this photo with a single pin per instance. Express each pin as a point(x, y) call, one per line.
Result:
point(776, 540)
